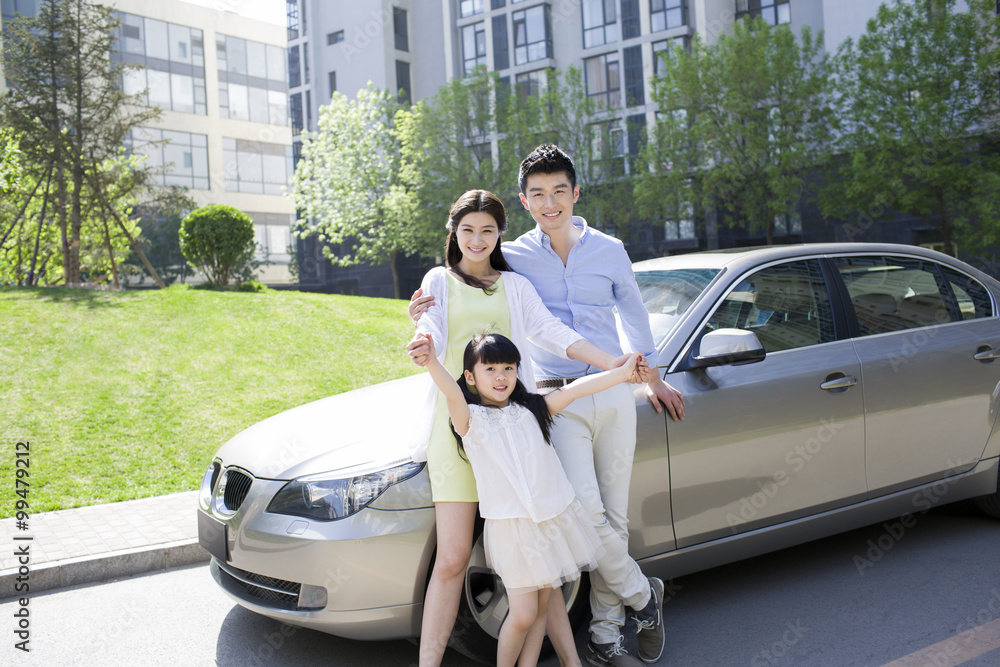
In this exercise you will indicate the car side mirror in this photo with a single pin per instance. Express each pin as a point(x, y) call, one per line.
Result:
point(724, 347)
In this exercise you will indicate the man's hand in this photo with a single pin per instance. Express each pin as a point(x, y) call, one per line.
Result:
point(658, 391)
point(641, 372)
point(418, 304)
point(420, 349)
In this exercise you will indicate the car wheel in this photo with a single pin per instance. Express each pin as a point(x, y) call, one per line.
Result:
point(483, 608)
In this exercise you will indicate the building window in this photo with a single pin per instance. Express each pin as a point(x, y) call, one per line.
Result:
point(292, 10)
point(183, 157)
point(253, 80)
point(173, 60)
point(334, 37)
point(635, 92)
point(305, 61)
point(679, 230)
point(273, 235)
point(497, 4)
point(788, 224)
point(470, 7)
point(531, 84)
point(664, 51)
point(11, 9)
point(600, 22)
point(531, 35)
point(604, 80)
point(609, 147)
point(774, 12)
point(631, 23)
point(473, 47)
point(666, 14)
point(501, 50)
point(256, 166)
point(295, 110)
point(332, 81)
point(294, 69)
point(399, 29)
point(403, 81)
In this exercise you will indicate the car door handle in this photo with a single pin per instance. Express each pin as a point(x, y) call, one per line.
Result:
point(986, 354)
point(839, 383)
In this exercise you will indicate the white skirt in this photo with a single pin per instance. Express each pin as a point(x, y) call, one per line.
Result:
point(529, 555)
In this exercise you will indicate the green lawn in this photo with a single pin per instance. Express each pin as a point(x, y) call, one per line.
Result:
point(125, 395)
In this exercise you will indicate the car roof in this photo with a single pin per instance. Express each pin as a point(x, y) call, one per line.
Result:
point(739, 258)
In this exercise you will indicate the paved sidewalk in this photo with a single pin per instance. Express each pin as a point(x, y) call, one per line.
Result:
point(101, 542)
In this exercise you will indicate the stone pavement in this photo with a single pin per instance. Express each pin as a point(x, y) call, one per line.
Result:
point(100, 542)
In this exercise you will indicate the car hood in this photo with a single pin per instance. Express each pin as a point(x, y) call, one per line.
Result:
point(352, 433)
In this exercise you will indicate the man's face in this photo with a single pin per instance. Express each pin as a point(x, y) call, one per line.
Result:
point(549, 199)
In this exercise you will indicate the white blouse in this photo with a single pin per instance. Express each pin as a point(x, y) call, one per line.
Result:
point(518, 474)
point(529, 320)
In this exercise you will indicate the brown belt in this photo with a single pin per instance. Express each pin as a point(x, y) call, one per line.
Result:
point(554, 383)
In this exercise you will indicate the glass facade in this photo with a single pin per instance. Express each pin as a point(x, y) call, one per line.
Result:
point(470, 7)
point(663, 51)
point(253, 81)
point(667, 14)
point(173, 57)
point(256, 166)
point(11, 8)
point(532, 40)
point(600, 22)
point(473, 47)
point(183, 156)
point(531, 84)
point(273, 235)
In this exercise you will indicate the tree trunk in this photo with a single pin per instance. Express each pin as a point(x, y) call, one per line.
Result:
point(38, 235)
point(394, 264)
point(111, 253)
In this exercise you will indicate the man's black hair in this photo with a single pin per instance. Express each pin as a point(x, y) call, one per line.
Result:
point(546, 159)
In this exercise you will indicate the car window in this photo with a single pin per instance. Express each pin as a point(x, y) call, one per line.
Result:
point(973, 299)
point(896, 293)
point(786, 305)
point(668, 294)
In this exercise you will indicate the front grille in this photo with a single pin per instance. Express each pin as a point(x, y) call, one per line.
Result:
point(237, 486)
point(267, 591)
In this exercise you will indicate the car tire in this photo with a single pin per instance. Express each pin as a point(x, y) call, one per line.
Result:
point(483, 608)
point(990, 504)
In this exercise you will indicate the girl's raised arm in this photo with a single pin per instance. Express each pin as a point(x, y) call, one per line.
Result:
point(458, 409)
point(590, 384)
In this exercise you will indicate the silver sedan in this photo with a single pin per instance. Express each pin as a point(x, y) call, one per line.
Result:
point(827, 387)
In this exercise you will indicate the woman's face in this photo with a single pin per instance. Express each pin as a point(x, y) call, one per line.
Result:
point(477, 235)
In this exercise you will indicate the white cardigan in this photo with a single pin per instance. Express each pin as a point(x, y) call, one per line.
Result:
point(529, 320)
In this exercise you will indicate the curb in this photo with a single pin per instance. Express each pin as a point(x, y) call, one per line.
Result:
point(103, 567)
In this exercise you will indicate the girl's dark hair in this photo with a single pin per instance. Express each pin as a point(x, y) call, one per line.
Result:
point(491, 348)
point(475, 201)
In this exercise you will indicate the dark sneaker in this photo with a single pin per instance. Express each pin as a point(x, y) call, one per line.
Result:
point(610, 654)
point(649, 624)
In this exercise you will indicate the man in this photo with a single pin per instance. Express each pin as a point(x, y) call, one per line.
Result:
point(580, 275)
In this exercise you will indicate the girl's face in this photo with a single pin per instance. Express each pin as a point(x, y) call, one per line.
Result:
point(494, 382)
point(477, 235)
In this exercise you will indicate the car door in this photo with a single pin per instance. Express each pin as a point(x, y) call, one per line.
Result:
point(774, 440)
point(929, 401)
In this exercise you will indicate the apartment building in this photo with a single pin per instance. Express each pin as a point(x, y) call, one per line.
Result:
point(221, 79)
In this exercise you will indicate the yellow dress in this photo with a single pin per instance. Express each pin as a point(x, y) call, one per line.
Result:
point(470, 311)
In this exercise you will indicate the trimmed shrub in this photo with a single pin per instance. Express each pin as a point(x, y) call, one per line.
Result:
point(218, 240)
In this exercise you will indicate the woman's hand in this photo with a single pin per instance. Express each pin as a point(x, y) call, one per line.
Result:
point(418, 304)
point(641, 372)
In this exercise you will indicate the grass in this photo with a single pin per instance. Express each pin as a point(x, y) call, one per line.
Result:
point(125, 395)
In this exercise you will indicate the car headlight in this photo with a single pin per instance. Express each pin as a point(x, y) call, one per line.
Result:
point(208, 484)
point(324, 499)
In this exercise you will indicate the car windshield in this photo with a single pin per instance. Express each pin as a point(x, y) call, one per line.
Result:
point(668, 294)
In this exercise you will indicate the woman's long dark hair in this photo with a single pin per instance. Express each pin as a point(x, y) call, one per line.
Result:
point(475, 201)
point(491, 348)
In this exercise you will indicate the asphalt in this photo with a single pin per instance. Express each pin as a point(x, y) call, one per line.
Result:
point(64, 548)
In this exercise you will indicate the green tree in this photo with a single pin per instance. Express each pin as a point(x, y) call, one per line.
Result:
point(741, 125)
point(919, 93)
point(66, 102)
point(218, 239)
point(349, 188)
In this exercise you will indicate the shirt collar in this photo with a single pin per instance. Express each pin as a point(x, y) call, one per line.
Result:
point(543, 239)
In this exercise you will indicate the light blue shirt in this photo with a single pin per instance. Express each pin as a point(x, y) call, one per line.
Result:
point(596, 278)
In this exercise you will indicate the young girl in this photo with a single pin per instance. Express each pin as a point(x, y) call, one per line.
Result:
point(537, 535)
